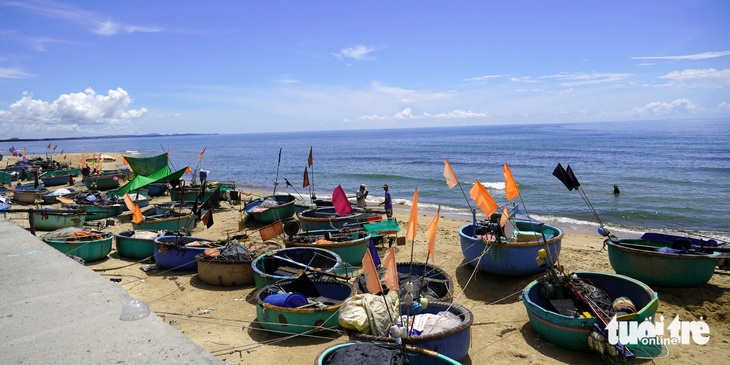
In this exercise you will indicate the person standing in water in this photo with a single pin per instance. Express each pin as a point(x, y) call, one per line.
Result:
point(616, 191)
point(388, 203)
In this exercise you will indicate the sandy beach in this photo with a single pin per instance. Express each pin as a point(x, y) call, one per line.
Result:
point(223, 320)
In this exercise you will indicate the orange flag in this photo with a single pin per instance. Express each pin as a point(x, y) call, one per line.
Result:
point(305, 182)
point(510, 187)
point(188, 170)
point(23, 151)
point(431, 235)
point(54, 147)
point(201, 154)
point(137, 216)
point(391, 270)
point(413, 219)
point(10, 187)
point(271, 231)
point(309, 160)
point(124, 160)
point(64, 157)
point(483, 199)
point(65, 200)
point(368, 268)
point(451, 180)
point(49, 146)
point(83, 159)
point(128, 202)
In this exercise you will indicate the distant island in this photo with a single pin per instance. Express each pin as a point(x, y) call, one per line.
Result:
point(106, 137)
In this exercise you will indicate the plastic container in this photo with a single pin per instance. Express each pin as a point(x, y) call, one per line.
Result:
point(135, 310)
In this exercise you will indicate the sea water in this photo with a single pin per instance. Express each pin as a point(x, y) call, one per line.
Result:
point(673, 175)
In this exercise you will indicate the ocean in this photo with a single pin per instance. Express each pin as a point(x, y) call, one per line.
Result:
point(674, 175)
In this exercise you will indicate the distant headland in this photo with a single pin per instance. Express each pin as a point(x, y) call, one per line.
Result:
point(106, 137)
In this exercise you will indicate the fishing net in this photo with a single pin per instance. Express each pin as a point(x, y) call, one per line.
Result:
point(428, 286)
point(359, 354)
point(229, 254)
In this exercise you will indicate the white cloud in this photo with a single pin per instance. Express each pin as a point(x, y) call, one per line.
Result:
point(581, 78)
point(646, 64)
point(699, 56)
point(177, 115)
point(161, 116)
point(479, 78)
point(358, 52)
point(408, 96)
point(288, 81)
point(723, 107)
point(73, 109)
point(97, 23)
point(407, 114)
point(9, 73)
point(705, 78)
point(677, 107)
point(523, 79)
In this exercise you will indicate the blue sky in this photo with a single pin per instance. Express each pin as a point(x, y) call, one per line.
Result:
point(108, 67)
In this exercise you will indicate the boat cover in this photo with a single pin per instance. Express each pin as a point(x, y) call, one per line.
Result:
point(141, 181)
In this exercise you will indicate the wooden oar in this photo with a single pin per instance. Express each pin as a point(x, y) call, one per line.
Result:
point(309, 268)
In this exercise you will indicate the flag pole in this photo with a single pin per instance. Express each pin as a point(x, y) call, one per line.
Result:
point(276, 182)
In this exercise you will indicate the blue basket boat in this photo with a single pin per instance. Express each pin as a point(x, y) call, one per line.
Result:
point(453, 343)
point(509, 257)
point(172, 254)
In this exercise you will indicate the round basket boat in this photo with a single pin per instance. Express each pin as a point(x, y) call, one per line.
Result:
point(286, 264)
point(284, 321)
point(172, 254)
point(214, 271)
point(350, 246)
point(453, 343)
point(416, 355)
point(572, 332)
point(52, 221)
point(137, 248)
point(439, 283)
point(91, 250)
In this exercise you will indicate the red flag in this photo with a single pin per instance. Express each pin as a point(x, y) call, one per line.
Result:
point(391, 270)
point(201, 154)
point(413, 219)
point(54, 147)
point(368, 268)
point(188, 170)
point(451, 179)
point(309, 160)
point(483, 199)
point(64, 157)
point(271, 231)
point(510, 187)
point(49, 146)
point(340, 202)
point(431, 235)
point(305, 182)
point(70, 179)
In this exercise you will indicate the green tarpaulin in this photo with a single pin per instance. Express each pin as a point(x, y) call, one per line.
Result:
point(163, 174)
point(389, 226)
point(5, 179)
point(146, 166)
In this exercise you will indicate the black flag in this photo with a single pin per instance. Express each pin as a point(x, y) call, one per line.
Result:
point(571, 176)
point(559, 172)
point(23, 175)
point(208, 218)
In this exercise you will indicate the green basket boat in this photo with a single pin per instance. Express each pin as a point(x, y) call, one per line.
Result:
point(350, 246)
point(137, 248)
point(53, 221)
point(284, 321)
point(96, 211)
point(87, 250)
point(167, 222)
point(656, 264)
point(268, 215)
point(102, 182)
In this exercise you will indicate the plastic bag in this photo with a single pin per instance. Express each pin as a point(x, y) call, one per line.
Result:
point(367, 313)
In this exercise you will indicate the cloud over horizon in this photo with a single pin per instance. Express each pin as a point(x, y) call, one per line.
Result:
point(70, 111)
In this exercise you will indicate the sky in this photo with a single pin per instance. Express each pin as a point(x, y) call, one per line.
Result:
point(87, 68)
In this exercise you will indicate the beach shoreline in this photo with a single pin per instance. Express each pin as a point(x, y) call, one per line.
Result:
point(223, 320)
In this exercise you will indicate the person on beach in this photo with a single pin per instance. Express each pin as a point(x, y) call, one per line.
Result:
point(388, 202)
point(616, 191)
point(360, 195)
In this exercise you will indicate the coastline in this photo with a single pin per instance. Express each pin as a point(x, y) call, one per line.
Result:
point(223, 320)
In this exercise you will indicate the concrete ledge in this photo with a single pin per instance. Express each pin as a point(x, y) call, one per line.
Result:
point(56, 311)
